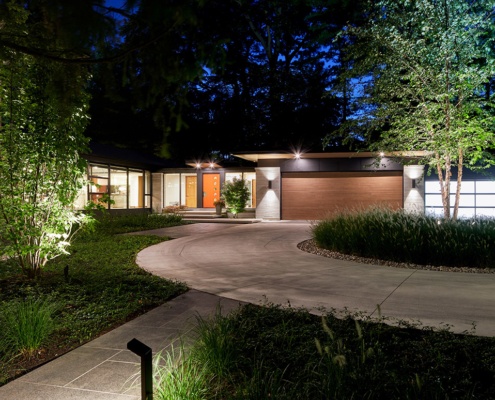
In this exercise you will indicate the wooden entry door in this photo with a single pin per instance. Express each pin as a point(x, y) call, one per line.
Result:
point(191, 191)
point(211, 189)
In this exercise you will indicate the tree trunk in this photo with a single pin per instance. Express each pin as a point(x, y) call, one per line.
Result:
point(444, 184)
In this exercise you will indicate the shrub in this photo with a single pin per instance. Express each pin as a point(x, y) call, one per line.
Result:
point(26, 325)
point(404, 237)
point(236, 195)
point(115, 224)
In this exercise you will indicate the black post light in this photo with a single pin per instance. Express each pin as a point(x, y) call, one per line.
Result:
point(145, 353)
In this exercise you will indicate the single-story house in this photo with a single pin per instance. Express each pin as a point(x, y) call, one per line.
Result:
point(282, 185)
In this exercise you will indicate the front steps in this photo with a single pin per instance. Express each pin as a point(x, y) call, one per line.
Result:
point(210, 215)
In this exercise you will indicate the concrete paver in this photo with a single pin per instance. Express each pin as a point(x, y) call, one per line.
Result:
point(258, 263)
point(104, 369)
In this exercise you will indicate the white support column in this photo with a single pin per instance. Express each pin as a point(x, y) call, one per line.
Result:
point(157, 192)
point(268, 199)
point(414, 197)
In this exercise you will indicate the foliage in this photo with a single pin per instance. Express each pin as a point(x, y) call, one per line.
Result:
point(271, 353)
point(215, 347)
point(112, 224)
point(26, 325)
point(102, 287)
point(400, 236)
point(179, 377)
point(236, 195)
point(423, 69)
point(41, 134)
point(223, 76)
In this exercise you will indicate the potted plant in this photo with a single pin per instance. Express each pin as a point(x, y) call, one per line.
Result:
point(236, 195)
point(219, 204)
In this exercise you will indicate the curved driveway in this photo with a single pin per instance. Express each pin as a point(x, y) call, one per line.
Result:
point(260, 262)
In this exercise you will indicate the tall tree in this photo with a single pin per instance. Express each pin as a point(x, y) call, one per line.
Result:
point(272, 90)
point(427, 66)
point(42, 118)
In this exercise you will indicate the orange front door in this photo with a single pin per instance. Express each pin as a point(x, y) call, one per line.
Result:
point(211, 189)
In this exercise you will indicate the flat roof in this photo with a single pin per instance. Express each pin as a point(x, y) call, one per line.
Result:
point(255, 157)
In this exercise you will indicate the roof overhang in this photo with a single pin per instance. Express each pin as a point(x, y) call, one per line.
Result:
point(255, 157)
point(203, 165)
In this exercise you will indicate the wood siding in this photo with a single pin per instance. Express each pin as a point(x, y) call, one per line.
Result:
point(313, 195)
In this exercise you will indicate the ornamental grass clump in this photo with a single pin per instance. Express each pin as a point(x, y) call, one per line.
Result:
point(26, 325)
point(412, 238)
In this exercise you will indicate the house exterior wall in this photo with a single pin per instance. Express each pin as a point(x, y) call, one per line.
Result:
point(414, 197)
point(268, 199)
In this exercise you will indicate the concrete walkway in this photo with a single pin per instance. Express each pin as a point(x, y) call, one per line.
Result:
point(259, 262)
point(104, 369)
point(254, 263)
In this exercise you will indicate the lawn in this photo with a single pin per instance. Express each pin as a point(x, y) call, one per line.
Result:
point(80, 296)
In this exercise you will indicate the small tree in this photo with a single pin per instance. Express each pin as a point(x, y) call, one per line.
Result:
point(236, 195)
point(41, 172)
point(428, 66)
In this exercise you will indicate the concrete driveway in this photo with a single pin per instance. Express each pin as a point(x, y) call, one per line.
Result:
point(261, 262)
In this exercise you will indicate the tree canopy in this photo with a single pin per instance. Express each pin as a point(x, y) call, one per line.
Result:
point(42, 119)
point(425, 69)
point(225, 76)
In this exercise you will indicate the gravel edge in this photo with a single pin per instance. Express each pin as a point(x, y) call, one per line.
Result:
point(310, 246)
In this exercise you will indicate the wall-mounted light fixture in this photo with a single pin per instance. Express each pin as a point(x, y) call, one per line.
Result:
point(270, 184)
point(413, 183)
point(297, 156)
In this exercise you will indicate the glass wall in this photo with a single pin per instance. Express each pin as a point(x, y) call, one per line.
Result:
point(477, 198)
point(181, 189)
point(118, 188)
point(126, 187)
point(172, 190)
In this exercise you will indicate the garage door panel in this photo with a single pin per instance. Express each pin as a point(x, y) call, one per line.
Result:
point(314, 195)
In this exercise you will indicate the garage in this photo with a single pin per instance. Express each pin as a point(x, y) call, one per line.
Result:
point(312, 195)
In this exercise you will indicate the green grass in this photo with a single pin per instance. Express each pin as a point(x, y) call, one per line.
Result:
point(179, 377)
point(102, 289)
point(404, 237)
point(26, 325)
point(275, 353)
